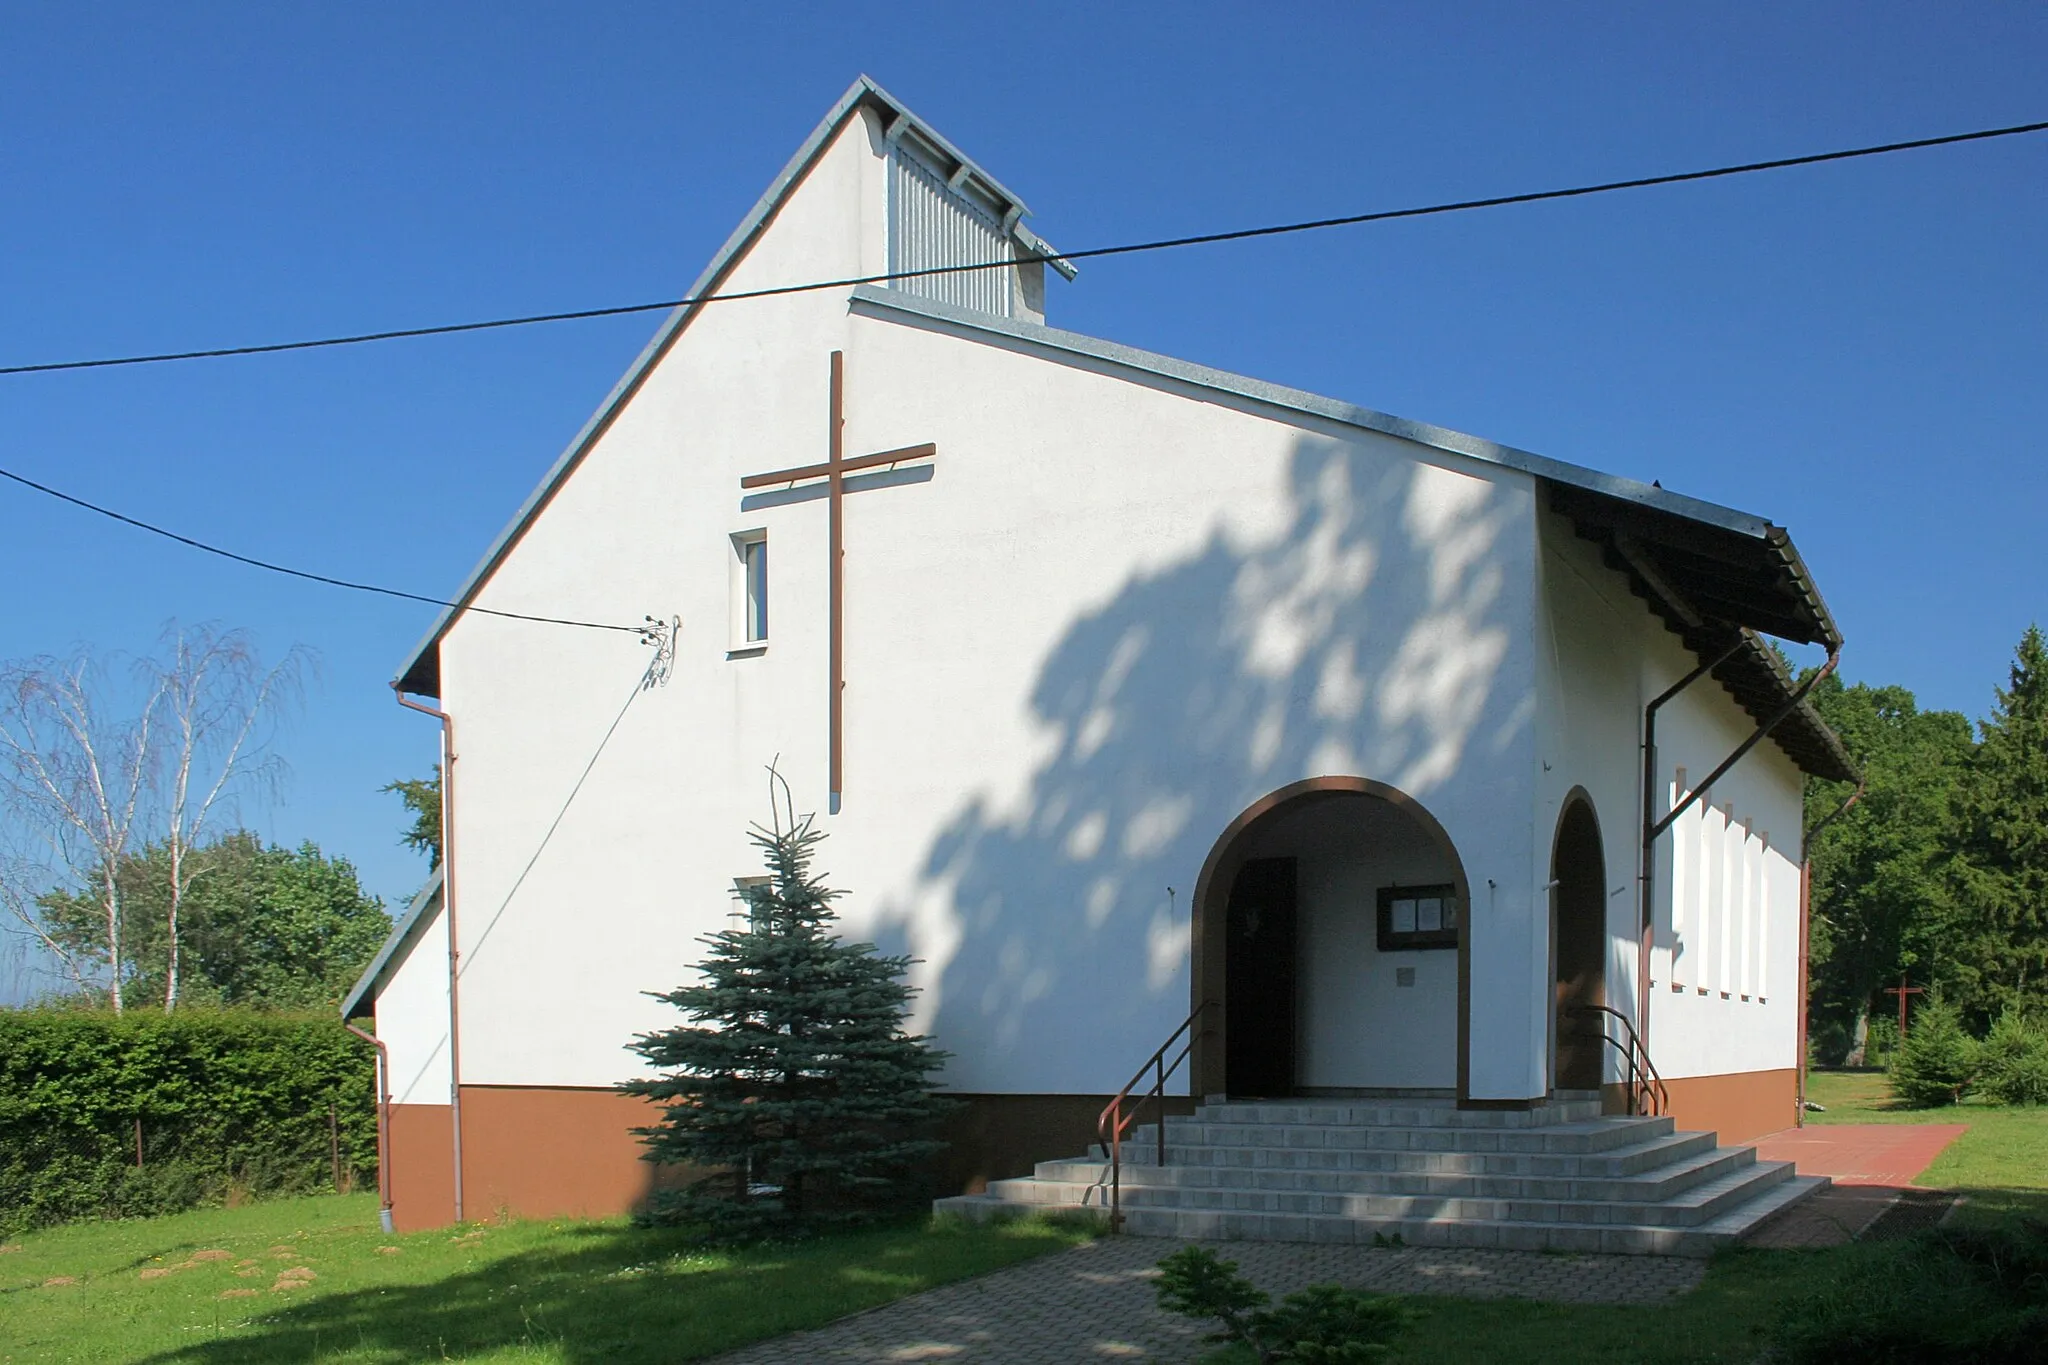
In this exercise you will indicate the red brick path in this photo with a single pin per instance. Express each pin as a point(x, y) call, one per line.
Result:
point(1861, 1153)
point(1869, 1163)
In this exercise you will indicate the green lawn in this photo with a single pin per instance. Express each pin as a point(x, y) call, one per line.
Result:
point(313, 1280)
point(2001, 1164)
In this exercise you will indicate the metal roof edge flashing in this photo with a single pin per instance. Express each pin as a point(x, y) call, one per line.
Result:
point(417, 913)
point(1317, 405)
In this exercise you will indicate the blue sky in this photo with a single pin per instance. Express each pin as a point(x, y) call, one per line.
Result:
point(1855, 351)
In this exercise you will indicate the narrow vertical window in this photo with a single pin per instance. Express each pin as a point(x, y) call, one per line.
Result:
point(755, 554)
point(749, 592)
point(1683, 955)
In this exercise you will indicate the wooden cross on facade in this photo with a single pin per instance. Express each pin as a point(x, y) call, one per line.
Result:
point(834, 471)
point(1902, 990)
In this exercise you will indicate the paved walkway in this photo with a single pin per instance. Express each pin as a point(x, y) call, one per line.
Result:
point(1861, 1153)
point(1871, 1164)
point(1097, 1303)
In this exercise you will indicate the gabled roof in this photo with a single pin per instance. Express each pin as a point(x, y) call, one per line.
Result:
point(362, 997)
point(1713, 574)
point(422, 671)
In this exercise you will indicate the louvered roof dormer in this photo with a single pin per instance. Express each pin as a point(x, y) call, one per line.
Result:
point(945, 211)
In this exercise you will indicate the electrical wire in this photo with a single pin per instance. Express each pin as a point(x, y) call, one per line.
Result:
point(1129, 248)
point(155, 530)
point(1125, 249)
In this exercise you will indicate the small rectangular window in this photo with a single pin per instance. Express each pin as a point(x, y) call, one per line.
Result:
point(756, 554)
point(750, 591)
point(745, 891)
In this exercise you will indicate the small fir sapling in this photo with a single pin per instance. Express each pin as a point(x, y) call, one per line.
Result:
point(794, 1082)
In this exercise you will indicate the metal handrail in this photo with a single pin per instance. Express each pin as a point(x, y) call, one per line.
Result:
point(1114, 1122)
point(1644, 1084)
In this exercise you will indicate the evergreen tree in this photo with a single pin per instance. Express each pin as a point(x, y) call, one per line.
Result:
point(1937, 1061)
point(2003, 865)
point(794, 1082)
point(1884, 899)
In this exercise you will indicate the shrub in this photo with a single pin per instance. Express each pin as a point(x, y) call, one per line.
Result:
point(1324, 1324)
point(2013, 1067)
point(1964, 1297)
point(1937, 1060)
point(221, 1099)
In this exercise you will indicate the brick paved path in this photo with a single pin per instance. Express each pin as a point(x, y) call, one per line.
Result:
point(1836, 1215)
point(1096, 1302)
point(1861, 1153)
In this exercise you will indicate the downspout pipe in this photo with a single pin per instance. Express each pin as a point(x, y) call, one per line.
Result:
point(1806, 921)
point(383, 1123)
point(1652, 826)
point(448, 903)
point(1648, 873)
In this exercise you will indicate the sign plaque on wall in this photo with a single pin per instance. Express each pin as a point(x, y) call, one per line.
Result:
point(1415, 917)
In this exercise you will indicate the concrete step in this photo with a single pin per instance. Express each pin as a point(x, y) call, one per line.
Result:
point(1627, 1159)
point(1679, 1169)
point(1395, 1113)
point(1727, 1225)
point(1694, 1203)
point(1580, 1135)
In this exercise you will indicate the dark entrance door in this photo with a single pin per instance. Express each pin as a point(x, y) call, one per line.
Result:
point(1258, 988)
point(1580, 910)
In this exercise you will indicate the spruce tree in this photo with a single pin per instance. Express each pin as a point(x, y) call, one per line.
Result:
point(1937, 1061)
point(2002, 944)
point(794, 1082)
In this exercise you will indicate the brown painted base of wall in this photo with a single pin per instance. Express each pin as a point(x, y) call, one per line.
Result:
point(545, 1152)
point(999, 1137)
point(1740, 1107)
point(422, 1166)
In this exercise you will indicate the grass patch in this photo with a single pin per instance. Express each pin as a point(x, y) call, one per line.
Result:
point(2001, 1163)
point(1728, 1318)
point(312, 1280)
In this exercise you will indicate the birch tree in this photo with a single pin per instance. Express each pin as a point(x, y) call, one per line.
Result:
point(99, 764)
point(73, 780)
point(220, 706)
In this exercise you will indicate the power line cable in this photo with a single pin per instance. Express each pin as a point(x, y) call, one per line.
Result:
point(1125, 249)
point(155, 530)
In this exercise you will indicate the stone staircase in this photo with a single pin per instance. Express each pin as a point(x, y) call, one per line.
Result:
point(1558, 1177)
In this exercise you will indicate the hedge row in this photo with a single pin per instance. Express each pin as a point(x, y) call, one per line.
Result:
point(223, 1106)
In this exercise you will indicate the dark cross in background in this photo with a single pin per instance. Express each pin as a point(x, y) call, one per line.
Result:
point(834, 472)
point(1902, 990)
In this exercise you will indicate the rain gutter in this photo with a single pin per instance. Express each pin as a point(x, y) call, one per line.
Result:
point(383, 1123)
point(448, 911)
point(1805, 923)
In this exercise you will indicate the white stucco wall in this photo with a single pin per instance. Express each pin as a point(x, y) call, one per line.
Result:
point(1115, 615)
point(1747, 959)
point(412, 1016)
point(1603, 657)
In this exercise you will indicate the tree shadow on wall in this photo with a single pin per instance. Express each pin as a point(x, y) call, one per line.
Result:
point(1364, 635)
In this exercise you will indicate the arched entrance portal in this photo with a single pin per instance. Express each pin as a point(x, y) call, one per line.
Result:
point(1578, 871)
point(1329, 930)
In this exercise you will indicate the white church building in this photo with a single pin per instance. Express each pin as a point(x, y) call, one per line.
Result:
point(1129, 693)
